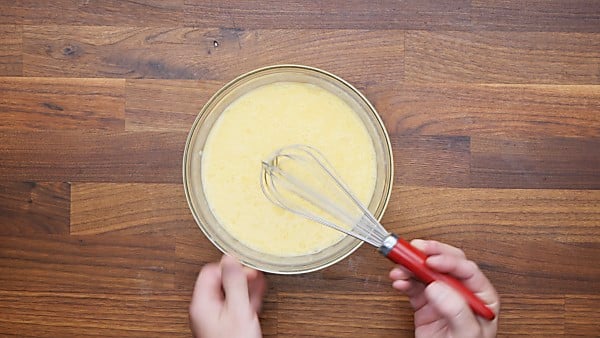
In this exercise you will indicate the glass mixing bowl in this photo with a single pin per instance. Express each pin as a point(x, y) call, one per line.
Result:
point(200, 130)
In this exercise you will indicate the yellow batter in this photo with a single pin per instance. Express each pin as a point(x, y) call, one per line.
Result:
point(254, 126)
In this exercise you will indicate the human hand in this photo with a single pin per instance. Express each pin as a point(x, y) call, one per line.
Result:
point(226, 300)
point(440, 311)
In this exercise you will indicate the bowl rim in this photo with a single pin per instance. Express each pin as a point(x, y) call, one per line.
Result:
point(217, 95)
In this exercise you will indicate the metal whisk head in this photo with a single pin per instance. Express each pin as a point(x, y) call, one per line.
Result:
point(299, 179)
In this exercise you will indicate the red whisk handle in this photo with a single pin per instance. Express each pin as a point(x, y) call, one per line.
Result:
point(400, 251)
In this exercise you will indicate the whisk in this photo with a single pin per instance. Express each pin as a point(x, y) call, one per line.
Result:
point(299, 179)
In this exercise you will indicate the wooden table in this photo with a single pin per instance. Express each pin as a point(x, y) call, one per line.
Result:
point(493, 109)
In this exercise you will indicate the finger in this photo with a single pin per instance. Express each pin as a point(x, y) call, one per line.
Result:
point(437, 248)
point(413, 289)
point(400, 272)
point(207, 290)
point(257, 287)
point(450, 305)
point(207, 298)
point(403, 285)
point(419, 244)
point(468, 272)
point(235, 284)
point(403, 282)
point(250, 273)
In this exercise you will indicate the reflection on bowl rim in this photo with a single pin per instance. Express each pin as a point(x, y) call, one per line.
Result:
point(217, 95)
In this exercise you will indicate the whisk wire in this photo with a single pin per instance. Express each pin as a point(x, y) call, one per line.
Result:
point(305, 192)
point(372, 223)
point(277, 184)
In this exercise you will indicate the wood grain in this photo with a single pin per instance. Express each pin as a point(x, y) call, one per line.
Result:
point(537, 15)
point(93, 314)
point(268, 316)
point(87, 264)
point(92, 156)
point(534, 266)
point(31, 208)
point(488, 110)
point(502, 57)
point(210, 54)
point(343, 315)
point(167, 105)
point(581, 315)
point(102, 13)
point(12, 12)
point(61, 104)
point(193, 250)
point(410, 14)
point(543, 163)
point(544, 316)
point(151, 209)
point(431, 160)
point(556, 215)
point(11, 46)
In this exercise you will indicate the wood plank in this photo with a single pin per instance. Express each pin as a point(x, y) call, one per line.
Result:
point(412, 14)
point(533, 266)
point(563, 215)
point(93, 314)
point(582, 316)
point(344, 315)
point(84, 156)
point(537, 15)
point(209, 54)
point(30, 207)
point(103, 13)
point(89, 264)
point(502, 57)
point(61, 104)
point(431, 160)
point(129, 209)
point(531, 316)
point(488, 110)
point(558, 215)
point(541, 163)
point(167, 105)
point(11, 49)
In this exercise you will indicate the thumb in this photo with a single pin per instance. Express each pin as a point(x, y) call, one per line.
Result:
point(235, 284)
point(452, 307)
